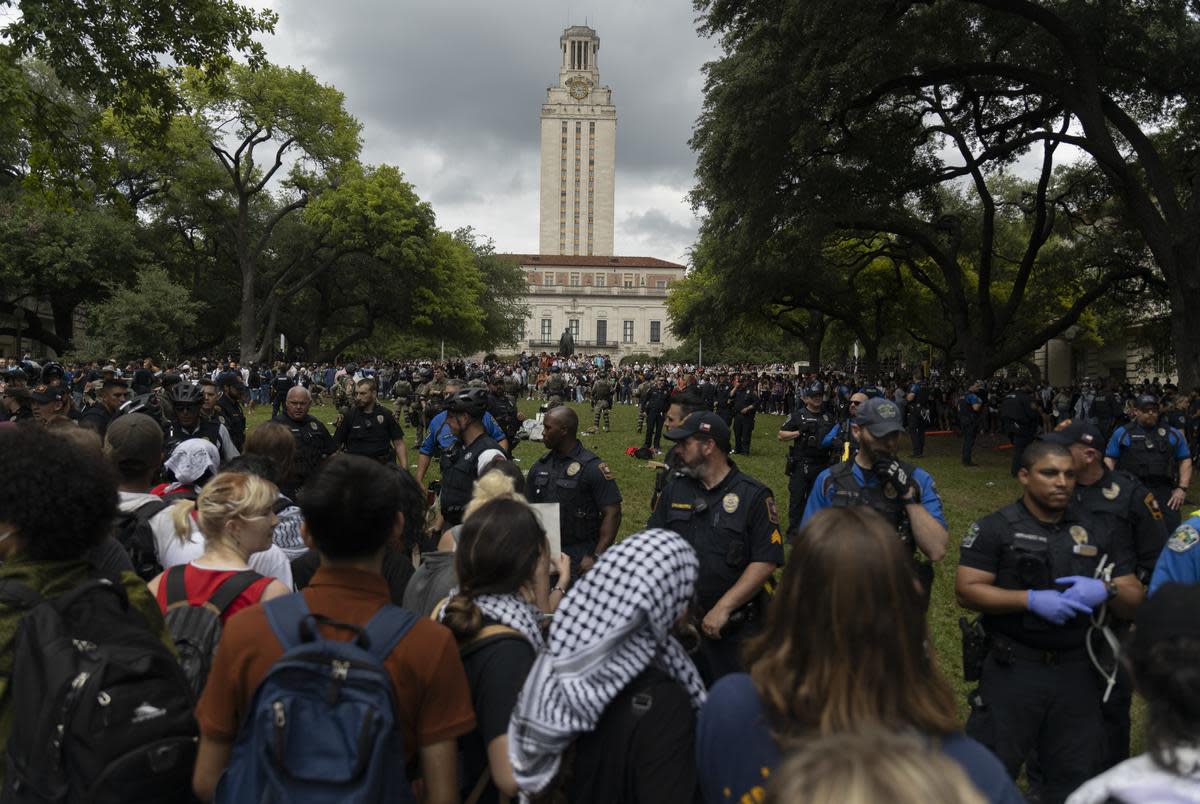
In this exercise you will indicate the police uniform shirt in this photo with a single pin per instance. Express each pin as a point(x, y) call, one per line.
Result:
point(731, 526)
point(96, 417)
point(313, 444)
point(234, 419)
point(1180, 560)
point(1127, 507)
point(555, 478)
point(822, 492)
point(441, 437)
point(722, 395)
point(1025, 553)
point(825, 425)
point(370, 434)
point(966, 406)
point(745, 397)
point(1124, 436)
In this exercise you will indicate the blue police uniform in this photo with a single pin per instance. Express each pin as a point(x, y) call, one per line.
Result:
point(822, 493)
point(1152, 456)
point(441, 438)
point(1179, 561)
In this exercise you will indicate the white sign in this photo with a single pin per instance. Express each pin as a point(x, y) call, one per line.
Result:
point(547, 514)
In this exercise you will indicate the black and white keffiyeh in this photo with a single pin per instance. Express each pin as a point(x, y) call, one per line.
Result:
point(613, 624)
point(511, 610)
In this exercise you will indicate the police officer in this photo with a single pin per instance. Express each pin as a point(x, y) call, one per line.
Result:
point(806, 429)
point(904, 494)
point(112, 394)
point(49, 401)
point(1031, 570)
point(1020, 417)
point(440, 440)
point(682, 405)
point(186, 423)
point(281, 386)
point(1179, 562)
point(1124, 506)
point(919, 414)
point(602, 393)
point(474, 450)
point(313, 442)
point(970, 406)
point(589, 502)
point(370, 429)
point(1154, 453)
point(840, 441)
point(403, 393)
point(654, 403)
point(731, 520)
point(743, 400)
point(1106, 407)
point(643, 386)
point(233, 390)
point(504, 411)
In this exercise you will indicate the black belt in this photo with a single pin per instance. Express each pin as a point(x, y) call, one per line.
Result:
point(1003, 646)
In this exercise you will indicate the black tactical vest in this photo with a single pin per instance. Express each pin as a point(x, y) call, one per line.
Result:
point(846, 492)
point(458, 479)
point(579, 516)
point(1149, 455)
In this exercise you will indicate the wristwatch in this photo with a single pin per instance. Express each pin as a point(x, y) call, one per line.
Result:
point(1111, 586)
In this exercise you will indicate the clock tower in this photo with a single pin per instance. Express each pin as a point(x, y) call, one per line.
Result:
point(578, 158)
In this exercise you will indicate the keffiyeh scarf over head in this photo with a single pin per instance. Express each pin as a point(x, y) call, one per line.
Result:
point(510, 610)
point(192, 458)
point(614, 624)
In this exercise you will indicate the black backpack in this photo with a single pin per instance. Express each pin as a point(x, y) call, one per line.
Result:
point(101, 711)
point(132, 530)
point(197, 629)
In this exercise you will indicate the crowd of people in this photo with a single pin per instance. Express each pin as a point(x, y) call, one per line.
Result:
point(293, 612)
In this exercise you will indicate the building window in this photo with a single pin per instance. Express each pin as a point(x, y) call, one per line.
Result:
point(628, 280)
point(548, 279)
point(573, 325)
point(600, 280)
point(547, 332)
point(660, 283)
point(574, 280)
point(627, 331)
point(655, 331)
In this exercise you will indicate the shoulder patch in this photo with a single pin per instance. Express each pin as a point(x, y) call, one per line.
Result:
point(1183, 539)
point(605, 471)
point(971, 535)
point(772, 511)
point(1152, 504)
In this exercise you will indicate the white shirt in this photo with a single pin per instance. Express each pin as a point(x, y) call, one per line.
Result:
point(1140, 781)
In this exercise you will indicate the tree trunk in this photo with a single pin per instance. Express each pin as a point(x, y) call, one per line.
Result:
point(817, 325)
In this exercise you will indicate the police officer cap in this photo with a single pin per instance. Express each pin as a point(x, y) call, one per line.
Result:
point(48, 393)
point(880, 416)
point(170, 379)
point(1076, 433)
point(351, 368)
point(1146, 401)
point(702, 423)
point(469, 400)
point(816, 389)
point(233, 378)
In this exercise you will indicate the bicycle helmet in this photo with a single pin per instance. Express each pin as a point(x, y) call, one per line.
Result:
point(186, 393)
point(469, 400)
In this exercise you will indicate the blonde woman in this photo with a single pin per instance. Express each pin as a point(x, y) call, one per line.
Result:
point(234, 514)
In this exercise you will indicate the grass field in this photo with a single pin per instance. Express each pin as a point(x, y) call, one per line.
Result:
point(967, 494)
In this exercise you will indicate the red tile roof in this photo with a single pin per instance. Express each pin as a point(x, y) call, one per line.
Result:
point(571, 261)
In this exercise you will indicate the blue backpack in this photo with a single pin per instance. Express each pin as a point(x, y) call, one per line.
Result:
point(322, 726)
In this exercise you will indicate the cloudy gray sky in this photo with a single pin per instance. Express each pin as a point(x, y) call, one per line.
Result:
point(450, 93)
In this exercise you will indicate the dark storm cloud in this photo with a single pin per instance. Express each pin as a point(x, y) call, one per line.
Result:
point(656, 224)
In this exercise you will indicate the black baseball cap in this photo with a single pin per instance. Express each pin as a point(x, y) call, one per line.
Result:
point(702, 423)
point(1145, 401)
point(231, 378)
point(816, 389)
point(881, 417)
point(48, 393)
point(1077, 433)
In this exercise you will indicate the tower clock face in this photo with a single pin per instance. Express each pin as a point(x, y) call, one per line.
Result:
point(579, 88)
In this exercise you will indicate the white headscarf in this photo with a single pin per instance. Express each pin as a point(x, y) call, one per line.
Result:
point(192, 458)
point(614, 623)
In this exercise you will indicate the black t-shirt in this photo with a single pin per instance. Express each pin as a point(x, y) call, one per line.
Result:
point(397, 569)
point(643, 748)
point(496, 671)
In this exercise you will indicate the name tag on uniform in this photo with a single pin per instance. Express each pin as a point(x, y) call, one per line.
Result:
point(1089, 550)
point(682, 506)
point(1030, 537)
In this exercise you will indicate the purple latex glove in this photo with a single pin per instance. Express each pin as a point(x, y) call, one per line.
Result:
point(1052, 605)
point(1091, 592)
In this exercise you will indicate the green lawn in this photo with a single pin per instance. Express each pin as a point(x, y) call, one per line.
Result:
point(967, 494)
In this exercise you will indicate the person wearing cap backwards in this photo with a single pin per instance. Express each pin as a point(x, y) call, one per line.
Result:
point(808, 454)
point(730, 519)
point(905, 495)
point(589, 502)
point(970, 406)
point(1156, 454)
point(49, 401)
point(1123, 504)
point(112, 394)
point(1038, 570)
point(465, 410)
point(233, 389)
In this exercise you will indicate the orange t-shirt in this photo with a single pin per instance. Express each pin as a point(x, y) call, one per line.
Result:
point(433, 700)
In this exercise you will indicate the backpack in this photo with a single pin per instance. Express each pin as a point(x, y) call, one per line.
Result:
point(132, 530)
point(322, 725)
point(101, 710)
point(197, 629)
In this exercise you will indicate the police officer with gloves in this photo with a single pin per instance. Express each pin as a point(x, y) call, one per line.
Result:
point(904, 494)
point(731, 520)
point(473, 450)
point(1038, 570)
point(589, 502)
point(806, 429)
point(1154, 453)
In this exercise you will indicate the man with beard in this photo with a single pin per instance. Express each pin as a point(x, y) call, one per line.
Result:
point(589, 502)
point(905, 495)
point(731, 520)
point(371, 430)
